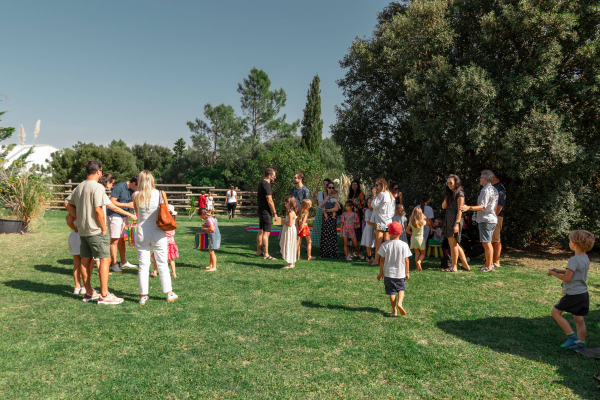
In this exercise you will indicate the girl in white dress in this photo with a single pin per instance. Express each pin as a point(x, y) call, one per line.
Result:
point(288, 240)
point(368, 236)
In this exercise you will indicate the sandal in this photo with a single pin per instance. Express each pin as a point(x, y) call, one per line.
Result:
point(260, 255)
point(449, 270)
point(268, 257)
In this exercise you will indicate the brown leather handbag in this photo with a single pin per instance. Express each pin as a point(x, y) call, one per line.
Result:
point(165, 220)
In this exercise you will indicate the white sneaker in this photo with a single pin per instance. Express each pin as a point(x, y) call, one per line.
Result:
point(91, 297)
point(128, 265)
point(115, 268)
point(143, 300)
point(172, 297)
point(82, 290)
point(77, 291)
point(110, 299)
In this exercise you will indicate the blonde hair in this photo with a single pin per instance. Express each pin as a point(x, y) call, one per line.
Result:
point(384, 187)
point(417, 219)
point(305, 206)
point(400, 210)
point(145, 186)
point(584, 240)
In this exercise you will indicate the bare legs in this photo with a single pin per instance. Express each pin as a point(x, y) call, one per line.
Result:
point(262, 243)
point(213, 260)
point(77, 271)
point(457, 252)
point(172, 263)
point(419, 257)
point(399, 297)
point(308, 247)
point(117, 244)
point(380, 237)
point(564, 324)
point(489, 250)
point(497, 249)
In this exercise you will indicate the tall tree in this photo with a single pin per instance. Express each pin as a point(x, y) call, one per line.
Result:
point(312, 124)
point(261, 106)
point(179, 148)
point(221, 137)
point(449, 86)
point(152, 157)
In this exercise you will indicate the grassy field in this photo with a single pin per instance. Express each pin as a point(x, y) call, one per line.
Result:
point(252, 330)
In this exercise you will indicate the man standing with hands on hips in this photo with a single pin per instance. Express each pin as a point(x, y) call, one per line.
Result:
point(120, 197)
point(266, 212)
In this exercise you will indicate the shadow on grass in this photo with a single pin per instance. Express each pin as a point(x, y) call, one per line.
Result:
point(65, 261)
point(536, 339)
point(60, 290)
point(312, 304)
point(55, 270)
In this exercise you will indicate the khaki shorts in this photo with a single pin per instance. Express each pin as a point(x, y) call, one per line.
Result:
point(116, 226)
point(496, 236)
point(95, 246)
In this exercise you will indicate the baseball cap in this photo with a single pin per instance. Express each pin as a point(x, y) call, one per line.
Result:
point(395, 228)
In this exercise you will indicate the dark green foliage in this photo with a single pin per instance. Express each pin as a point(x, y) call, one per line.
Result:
point(287, 160)
point(457, 87)
point(208, 176)
point(261, 106)
point(152, 157)
point(312, 124)
point(179, 148)
point(5, 133)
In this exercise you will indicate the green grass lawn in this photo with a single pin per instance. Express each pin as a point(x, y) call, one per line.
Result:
point(252, 330)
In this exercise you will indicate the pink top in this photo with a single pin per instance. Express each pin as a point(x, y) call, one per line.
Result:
point(170, 236)
point(349, 220)
point(210, 223)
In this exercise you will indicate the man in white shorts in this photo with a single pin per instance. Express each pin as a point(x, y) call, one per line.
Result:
point(120, 197)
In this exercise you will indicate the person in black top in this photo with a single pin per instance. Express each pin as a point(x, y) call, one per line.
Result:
point(496, 243)
point(266, 211)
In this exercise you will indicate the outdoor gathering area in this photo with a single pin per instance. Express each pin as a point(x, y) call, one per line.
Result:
point(318, 200)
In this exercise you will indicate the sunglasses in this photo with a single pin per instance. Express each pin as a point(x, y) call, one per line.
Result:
point(331, 187)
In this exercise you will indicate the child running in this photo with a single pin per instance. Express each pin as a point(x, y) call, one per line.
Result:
point(576, 299)
point(416, 228)
point(368, 236)
point(211, 227)
point(393, 267)
point(172, 250)
point(288, 240)
point(347, 230)
point(304, 230)
point(400, 217)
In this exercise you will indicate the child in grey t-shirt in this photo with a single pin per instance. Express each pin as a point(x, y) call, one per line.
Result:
point(576, 299)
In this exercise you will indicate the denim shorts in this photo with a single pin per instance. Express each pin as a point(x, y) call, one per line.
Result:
point(486, 231)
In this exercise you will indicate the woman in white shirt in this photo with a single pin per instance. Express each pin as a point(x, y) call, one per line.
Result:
point(210, 204)
point(231, 202)
point(383, 211)
point(145, 202)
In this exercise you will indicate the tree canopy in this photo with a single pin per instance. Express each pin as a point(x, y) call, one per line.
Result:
point(312, 124)
point(449, 86)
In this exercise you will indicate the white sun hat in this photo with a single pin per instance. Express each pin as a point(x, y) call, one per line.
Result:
point(172, 209)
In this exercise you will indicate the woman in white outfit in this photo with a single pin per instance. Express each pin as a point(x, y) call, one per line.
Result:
point(145, 202)
point(383, 212)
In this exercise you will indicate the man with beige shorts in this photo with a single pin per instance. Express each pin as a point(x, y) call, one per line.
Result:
point(496, 243)
point(120, 196)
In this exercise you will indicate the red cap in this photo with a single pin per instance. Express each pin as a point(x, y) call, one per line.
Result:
point(395, 228)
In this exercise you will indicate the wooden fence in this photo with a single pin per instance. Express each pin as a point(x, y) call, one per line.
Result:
point(177, 194)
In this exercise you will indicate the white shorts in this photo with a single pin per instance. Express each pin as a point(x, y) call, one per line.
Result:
point(74, 243)
point(211, 207)
point(116, 226)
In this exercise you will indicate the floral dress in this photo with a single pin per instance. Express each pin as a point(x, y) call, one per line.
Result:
point(329, 245)
point(450, 219)
point(349, 221)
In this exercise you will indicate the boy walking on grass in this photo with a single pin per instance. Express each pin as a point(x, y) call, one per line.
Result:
point(393, 267)
point(576, 299)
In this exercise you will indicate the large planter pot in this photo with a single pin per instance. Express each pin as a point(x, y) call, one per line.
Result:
point(12, 226)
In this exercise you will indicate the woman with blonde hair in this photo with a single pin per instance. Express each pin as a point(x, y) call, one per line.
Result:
point(383, 212)
point(146, 204)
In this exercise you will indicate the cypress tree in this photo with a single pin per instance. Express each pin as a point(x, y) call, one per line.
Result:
point(312, 124)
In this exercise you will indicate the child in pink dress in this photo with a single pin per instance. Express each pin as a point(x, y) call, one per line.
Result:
point(172, 251)
point(347, 231)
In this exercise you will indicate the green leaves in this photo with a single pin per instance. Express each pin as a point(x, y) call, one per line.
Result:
point(312, 124)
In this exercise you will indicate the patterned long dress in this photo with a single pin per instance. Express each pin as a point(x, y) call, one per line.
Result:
point(329, 245)
point(450, 219)
point(315, 234)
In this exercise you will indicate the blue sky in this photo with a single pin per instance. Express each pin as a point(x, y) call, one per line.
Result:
point(138, 70)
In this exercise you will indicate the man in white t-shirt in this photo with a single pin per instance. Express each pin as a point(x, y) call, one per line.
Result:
point(393, 267)
point(231, 201)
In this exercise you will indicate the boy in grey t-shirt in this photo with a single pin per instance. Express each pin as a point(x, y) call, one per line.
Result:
point(393, 267)
point(576, 299)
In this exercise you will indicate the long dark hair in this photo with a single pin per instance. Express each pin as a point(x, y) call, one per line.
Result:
point(354, 194)
point(451, 195)
point(424, 199)
point(106, 179)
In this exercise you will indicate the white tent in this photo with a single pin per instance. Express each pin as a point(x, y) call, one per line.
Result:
point(41, 153)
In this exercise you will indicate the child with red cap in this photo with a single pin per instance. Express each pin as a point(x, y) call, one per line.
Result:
point(393, 267)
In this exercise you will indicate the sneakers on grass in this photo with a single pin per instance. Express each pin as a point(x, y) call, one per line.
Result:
point(143, 300)
point(110, 299)
point(172, 297)
point(91, 297)
point(572, 340)
point(115, 268)
point(128, 265)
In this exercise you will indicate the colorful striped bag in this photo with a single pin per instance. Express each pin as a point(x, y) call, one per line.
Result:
point(129, 234)
point(201, 242)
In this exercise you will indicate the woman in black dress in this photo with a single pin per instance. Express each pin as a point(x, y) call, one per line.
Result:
point(453, 221)
point(329, 245)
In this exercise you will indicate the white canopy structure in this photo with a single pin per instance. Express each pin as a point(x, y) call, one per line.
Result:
point(41, 153)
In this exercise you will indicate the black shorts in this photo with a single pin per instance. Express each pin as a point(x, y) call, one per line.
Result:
point(393, 285)
point(264, 221)
point(576, 304)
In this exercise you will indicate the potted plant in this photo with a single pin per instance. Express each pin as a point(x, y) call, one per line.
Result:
point(22, 190)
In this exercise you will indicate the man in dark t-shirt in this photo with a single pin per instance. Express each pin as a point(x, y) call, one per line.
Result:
point(496, 243)
point(266, 211)
point(120, 196)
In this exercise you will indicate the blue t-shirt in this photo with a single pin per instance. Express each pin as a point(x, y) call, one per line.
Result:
point(501, 197)
point(123, 194)
point(300, 194)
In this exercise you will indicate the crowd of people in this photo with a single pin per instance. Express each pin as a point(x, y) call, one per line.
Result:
point(377, 224)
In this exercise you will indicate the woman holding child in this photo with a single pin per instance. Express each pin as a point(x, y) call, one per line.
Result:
point(383, 212)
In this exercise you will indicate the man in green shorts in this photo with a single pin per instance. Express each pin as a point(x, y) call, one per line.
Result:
point(88, 202)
